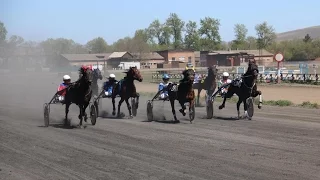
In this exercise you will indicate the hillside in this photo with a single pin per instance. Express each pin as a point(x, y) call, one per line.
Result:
point(313, 31)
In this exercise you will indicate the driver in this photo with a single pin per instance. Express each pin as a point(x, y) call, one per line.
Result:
point(225, 80)
point(61, 89)
point(164, 95)
point(108, 85)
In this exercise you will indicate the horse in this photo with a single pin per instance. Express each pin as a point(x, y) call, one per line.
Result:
point(183, 93)
point(244, 88)
point(126, 89)
point(80, 94)
point(96, 75)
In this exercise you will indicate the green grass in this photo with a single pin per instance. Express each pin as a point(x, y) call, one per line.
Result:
point(279, 103)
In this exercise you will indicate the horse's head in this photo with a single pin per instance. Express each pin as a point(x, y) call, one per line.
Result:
point(212, 72)
point(189, 74)
point(97, 73)
point(134, 73)
point(86, 74)
point(253, 68)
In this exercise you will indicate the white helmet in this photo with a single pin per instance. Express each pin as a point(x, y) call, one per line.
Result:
point(225, 74)
point(66, 77)
point(112, 76)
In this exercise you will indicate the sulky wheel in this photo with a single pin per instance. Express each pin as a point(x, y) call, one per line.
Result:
point(96, 105)
point(209, 108)
point(250, 105)
point(46, 113)
point(192, 112)
point(150, 111)
point(134, 107)
point(93, 114)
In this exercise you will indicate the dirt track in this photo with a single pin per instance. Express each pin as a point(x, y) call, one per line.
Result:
point(277, 144)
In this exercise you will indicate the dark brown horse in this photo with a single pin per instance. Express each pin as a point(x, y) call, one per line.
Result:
point(79, 93)
point(126, 89)
point(209, 83)
point(244, 88)
point(182, 92)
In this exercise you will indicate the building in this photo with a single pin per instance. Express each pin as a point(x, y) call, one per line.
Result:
point(182, 56)
point(108, 60)
point(77, 60)
point(148, 60)
point(116, 57)
point(236, 57)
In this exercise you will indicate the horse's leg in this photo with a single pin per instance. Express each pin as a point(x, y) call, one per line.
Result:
point(224, 101)
point(245, 107)
point(238, 106)
point(86, 104)
point(137, 102)
point(119, 105)
point(80, 115)
point(66, 111)
point(129, 107)
point(173, 109)
point(113, 104)
point(183, 106)
point(260, 98)
point(198, 97)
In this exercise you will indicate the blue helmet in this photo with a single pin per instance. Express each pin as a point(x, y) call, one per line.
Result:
point(165, 76)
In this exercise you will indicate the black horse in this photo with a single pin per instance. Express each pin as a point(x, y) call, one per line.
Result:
point(244, 88)
point(96, 75)
point(79, 93)
point(208, 83)
point(126, 89)
point(183, 93)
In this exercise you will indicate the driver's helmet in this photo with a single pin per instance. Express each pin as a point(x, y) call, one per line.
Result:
point(66, 78)
point(112, 76)
point(225, 74)
point(165, 77)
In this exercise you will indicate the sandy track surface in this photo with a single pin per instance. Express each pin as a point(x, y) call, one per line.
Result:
point(279, 143)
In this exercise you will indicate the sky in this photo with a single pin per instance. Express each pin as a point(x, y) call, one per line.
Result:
point(82, 20)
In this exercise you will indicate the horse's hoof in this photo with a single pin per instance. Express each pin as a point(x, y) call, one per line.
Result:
point(259, 106)
point(113, 113)
point(182, 112)
point(137, 105)
point(130, 117)
point(221, 107)
point(79, 117)
point(176, 121)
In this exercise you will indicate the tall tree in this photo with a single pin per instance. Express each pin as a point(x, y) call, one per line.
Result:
point(176, 26)
point(192, 38)
point(3, 32)
point(209, 33)
point(159, 33)
point(266, 35)
point(97, 45)
point(140, 42)
point(240, 31)
point(251, 42)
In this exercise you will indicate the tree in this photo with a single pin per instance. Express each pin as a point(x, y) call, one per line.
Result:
point(266, 35)
point(240, 31)
point(176, 26)
point(3, 32)
point(97, 45)
point(192, 38)
point(251, 42)
point(159, 34)
point(209, 33)
point(307, 38)
point(140, 42)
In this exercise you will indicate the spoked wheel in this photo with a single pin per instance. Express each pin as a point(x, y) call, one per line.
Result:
point(150, 111)
point(250, 106)
point(209, 109)
point(93, 114)
point(134, 107)
point(192, 112)
point(46, 113)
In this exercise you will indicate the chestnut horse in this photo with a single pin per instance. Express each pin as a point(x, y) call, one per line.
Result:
point(182, 92)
